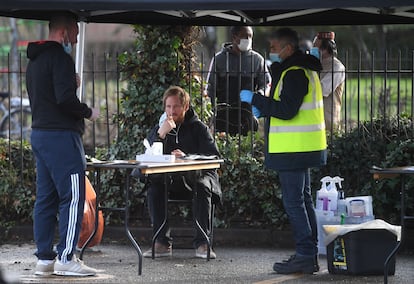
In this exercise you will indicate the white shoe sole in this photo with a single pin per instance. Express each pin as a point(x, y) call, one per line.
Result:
point(71, 273)
point(43, 273)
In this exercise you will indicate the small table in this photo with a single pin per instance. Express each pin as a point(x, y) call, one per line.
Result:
point(380, 173)
point(180, 165)
point(114, 165)
point(146, 168)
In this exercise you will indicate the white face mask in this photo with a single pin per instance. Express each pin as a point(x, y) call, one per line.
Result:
point(245, 44)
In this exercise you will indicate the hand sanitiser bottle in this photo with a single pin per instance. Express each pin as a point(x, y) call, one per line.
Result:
point(332, 195)
point(322, 199)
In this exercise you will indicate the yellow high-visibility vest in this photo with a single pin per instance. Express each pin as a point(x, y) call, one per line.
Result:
point(306, 131)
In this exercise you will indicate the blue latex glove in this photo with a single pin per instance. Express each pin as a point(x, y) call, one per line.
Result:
point(256, 112)
point(246, 96)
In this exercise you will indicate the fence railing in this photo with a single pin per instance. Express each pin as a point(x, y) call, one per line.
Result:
point(378, 91)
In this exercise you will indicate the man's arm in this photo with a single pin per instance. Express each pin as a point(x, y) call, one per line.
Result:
point(331, 81)
point(65, 85)
point(210, 87)
point(295, 87)
point(264, 79)
point(207, 146)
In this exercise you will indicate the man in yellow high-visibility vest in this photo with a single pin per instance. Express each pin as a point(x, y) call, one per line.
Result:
point(296, 140)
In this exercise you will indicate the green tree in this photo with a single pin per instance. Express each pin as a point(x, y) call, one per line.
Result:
point(164, 56)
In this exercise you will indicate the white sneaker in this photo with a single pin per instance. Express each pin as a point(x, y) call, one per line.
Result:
point(44, 267)
point(75, 267)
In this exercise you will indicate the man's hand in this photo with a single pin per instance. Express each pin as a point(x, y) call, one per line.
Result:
point(166, 127)
point(95, 114)
point(163, 117)
point(256, 112)
point(246, 96)
point(178, 153)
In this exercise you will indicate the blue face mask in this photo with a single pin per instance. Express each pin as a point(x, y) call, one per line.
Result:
point(315, 52)
point(67, 47)
point(274, 57)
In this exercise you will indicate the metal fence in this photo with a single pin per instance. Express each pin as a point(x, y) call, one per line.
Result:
point(383, 89)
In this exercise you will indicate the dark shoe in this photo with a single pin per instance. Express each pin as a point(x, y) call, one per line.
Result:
point(316, 263)
point(160, 250)
point(295, 264)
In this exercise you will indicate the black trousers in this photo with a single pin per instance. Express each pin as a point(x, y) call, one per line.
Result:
point(179, 187)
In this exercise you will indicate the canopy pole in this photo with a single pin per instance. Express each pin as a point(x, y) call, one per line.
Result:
point(80, 49)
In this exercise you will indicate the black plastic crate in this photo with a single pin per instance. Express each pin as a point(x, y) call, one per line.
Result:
point(362, 252)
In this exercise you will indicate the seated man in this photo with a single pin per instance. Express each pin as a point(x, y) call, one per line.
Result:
point(182, 132)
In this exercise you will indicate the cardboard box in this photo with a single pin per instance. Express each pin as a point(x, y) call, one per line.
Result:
point(361, 252)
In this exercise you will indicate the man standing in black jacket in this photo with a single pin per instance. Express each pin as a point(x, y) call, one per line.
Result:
point(57, 127)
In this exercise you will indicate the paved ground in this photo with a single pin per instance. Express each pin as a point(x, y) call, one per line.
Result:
point(118, 262)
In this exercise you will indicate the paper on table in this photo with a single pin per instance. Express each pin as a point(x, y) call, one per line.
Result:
point(122, 162)
point(199, 157)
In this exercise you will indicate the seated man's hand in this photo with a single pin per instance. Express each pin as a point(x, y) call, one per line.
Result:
point(163, 117)
point(246, 96)
point(166, 127)
point(178, 153)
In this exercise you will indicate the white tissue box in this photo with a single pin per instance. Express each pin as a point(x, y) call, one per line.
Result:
point(155, 158)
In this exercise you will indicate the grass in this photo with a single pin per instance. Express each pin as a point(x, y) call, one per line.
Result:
point(364, 97)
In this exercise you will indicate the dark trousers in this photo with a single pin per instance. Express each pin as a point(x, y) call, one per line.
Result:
point(179, 189)
point(60, 191)
point(297, 200)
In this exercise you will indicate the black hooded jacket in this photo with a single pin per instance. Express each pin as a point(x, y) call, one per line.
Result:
point(51, 86)
point(192, 137)
point(295, 88)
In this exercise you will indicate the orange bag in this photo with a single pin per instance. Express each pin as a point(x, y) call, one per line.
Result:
point(88, 222)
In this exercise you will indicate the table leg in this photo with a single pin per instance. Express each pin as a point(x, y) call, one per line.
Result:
point(397, 247)
point(198, 226)
point(95, 229)
point(164, 222)
point(126, 218)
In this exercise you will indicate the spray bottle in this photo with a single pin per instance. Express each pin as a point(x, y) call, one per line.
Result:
point(333, 194)
point(322, 199)
point(341, 197)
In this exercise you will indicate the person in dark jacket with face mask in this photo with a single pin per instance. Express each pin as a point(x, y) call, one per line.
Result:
point(57, 126)
point(236, 67)
point(183, 133)
point(296, 140)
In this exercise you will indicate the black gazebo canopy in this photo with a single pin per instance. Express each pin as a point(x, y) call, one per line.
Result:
point(220, 12)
